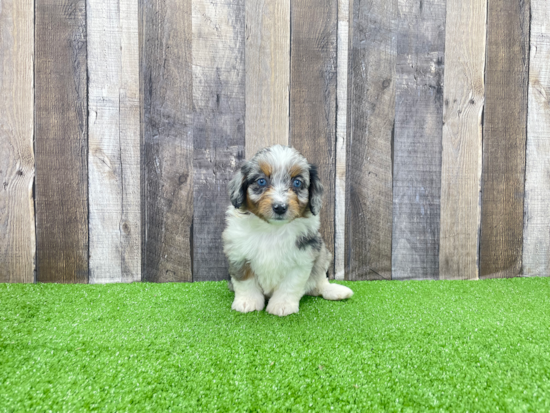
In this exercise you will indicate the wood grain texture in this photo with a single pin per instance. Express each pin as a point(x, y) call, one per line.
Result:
point(342, 86)
point(313, 97)
point(267, 62)
point(417, 142)
point(463, 96)
point(536, 232)
point(61, 141)
point(504, 134)
point(369, 160)
point(168, 139)
point(113, 141)
point(17, 243)
point(219, 125)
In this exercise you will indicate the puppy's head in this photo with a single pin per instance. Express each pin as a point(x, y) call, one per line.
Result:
point(278, 185)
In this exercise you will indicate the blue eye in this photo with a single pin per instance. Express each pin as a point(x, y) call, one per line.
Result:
point(261, 182)
point(297, 183)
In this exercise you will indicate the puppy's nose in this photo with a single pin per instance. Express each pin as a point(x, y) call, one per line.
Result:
point(280, 208)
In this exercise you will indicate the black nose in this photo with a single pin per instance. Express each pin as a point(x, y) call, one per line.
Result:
point(280, 208)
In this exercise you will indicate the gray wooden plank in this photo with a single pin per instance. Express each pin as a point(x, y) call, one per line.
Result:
point(464, 96)
point(536, 230)
point(342, 87)
point(267, 62)
point(417, 140)
point(504, 134)
point(61, 141)
point(113, 141)
point(218, 126)
point(168, 140)
point(17, 243)
point(369, 161)
point(313, 97)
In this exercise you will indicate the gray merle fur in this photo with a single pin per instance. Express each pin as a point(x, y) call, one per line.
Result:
point(309, 240)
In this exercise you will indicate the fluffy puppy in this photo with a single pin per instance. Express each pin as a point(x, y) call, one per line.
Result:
point(272, 239)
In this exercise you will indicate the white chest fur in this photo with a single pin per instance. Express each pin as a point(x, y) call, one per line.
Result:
point(270, 249)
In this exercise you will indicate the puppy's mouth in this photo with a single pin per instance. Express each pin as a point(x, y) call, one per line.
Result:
point(278, 219)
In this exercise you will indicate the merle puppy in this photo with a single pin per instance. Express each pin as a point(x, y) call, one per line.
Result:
point(272, 238)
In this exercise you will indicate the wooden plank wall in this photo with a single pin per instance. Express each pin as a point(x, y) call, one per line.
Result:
point(463, 96)
point(218, 125)
point(504, 137)
point(313, 97)
point(536, 232)
point(121, 123)
point(267, 83)
point(17, 242)
point(61, 141)
point(113, 141)
point(368, 238)
point(167, 151)
point(417, 139)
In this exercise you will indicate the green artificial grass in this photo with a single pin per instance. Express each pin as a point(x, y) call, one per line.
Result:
point(394, 346)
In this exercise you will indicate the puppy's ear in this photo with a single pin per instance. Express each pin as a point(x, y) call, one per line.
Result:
point(315, 191)
point(238, 186)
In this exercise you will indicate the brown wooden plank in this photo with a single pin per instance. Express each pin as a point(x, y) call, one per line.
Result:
point(463, 95)
point(219, 129)
point(369, 160)
point(61, 141)
point(17, 243)
point(342, 87)
point(168, 138)
point(267, 62)
point(504, 134)
point(536, 230)
point(113, 141)
point(313, 96)
point(417, 140)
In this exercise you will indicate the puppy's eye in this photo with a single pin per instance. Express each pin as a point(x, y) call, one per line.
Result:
point(297, 183)
point(261, 182)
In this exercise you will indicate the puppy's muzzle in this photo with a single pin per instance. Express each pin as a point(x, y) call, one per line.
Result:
point(280, 209)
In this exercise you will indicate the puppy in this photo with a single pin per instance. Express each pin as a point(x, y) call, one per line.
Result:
point(272, 239)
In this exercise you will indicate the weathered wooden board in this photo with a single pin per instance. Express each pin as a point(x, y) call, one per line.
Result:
point(17, 242)
point(342, 87)
point(267, 62)
point(536, 232)
point(113, 141)
point(168, 139)
point(369, 161)
point(504, 134)
point(313, 97)
point(417, 140)
point(61, 141)
point(463, 94)
point(218, 126)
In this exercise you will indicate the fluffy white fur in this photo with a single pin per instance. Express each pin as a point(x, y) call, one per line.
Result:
point(282, 271)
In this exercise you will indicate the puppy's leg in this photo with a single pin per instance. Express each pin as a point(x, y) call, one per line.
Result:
point(286, 298)
point(335, 291)
point(248, 295)
point(318, 283)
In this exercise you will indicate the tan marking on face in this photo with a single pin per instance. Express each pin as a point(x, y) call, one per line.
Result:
point(265, 204)
point(295, 207)
point(266, 168)
point(262, 208)
point(251, 205)
point(295, 170)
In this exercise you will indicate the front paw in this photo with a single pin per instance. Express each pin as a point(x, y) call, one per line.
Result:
point(282, 308)
point(248, 304)
point(336, 292)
